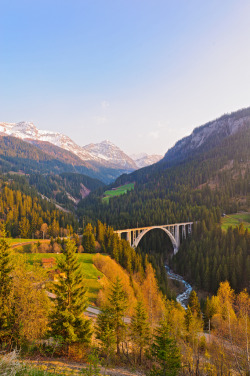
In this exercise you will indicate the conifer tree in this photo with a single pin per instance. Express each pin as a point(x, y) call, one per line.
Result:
point(118, 305)
point(5, 289)
point(88, 239)
point(68, 319)
point(165, 352)
point(188, 318)
point(139, 326)
point(105, 331)
point(24, 228)
point(194, 303)
point(100, 232)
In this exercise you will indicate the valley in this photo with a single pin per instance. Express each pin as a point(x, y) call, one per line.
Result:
point(68, 257)
point(124, 188)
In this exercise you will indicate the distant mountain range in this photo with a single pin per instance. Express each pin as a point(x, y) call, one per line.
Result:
point(94, 157)
point(143, 159)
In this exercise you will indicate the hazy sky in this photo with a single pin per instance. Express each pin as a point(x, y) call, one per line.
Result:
point(141, 73)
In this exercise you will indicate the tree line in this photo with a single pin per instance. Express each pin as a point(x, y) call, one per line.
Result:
point(24, 215)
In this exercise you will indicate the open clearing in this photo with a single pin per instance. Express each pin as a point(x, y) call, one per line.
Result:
point(89, 270)
point(12, 241)
point(235, 220)
point(123, 189)
point(24, 243)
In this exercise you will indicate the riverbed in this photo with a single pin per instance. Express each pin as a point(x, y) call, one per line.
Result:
point(184, 296)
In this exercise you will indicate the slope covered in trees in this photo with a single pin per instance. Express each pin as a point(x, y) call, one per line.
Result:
point(43, 158)
point(67, 188)
point(57, 175)
point(199, 189)
point(25, 213)
point(212, 255)
point(216, 180)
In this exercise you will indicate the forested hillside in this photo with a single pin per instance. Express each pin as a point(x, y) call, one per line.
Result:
point(43, 158)
point(24, 214)
point(199, 189)
point(212, 255)
point(67, 188)
point(217, 180)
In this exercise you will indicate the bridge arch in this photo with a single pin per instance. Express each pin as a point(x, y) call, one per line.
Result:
point(140, 236)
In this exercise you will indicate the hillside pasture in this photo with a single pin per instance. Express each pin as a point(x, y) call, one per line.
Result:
point(123, 189)
point(235, 220)
point(91, 273)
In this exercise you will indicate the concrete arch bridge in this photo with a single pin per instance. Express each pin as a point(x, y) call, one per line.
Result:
point(134, 235)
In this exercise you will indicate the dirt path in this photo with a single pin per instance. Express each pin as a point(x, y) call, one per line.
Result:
point(65, 367)
point(14, 245)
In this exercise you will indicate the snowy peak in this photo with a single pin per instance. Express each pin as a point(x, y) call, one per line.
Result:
point(144, 160)
point(21, 130)
point(27, 131)
point(111, 153)
point(104, 154)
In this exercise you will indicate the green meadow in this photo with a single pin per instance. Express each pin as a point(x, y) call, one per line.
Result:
point(123, 189)
point(12, 241)
point(235, 220)
point(90, 272)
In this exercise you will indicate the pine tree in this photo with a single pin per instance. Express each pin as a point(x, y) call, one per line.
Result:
point(118, 306)
point(105, 331)
point(88, 239)
point(68, 320)
point(188, 318)
point(24, 228)
point(140, 328)
point(165, 352)
point(5, 289)
point(194, 303)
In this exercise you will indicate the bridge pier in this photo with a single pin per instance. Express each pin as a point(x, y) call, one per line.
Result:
point(177, 235)
point(128, 237)
point(134, 235)
point(183, 232)
point(190, 228)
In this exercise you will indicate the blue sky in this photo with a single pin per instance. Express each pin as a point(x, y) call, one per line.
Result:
point(140, 73)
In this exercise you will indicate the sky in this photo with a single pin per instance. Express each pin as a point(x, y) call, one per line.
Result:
point(140, 73)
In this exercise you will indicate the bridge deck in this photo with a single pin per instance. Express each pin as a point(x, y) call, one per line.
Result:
point(148, 227)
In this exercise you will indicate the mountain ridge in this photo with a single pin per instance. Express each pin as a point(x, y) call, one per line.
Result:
point(213, 132)
point(93, 156)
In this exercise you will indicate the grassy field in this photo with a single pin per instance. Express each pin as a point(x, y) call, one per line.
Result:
point(123, 189)
point(235, 220)
point(12, 242)
point(89, 270)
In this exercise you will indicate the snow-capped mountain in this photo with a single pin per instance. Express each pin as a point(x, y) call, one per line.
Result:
point(104, 154)
point(28, 131)
point(143, 159)
point(110, 153)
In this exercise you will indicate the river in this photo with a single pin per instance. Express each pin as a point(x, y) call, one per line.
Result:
point(183, 297)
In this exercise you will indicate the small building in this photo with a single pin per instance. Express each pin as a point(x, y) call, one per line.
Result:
point(55, 275)
point(48, 263)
